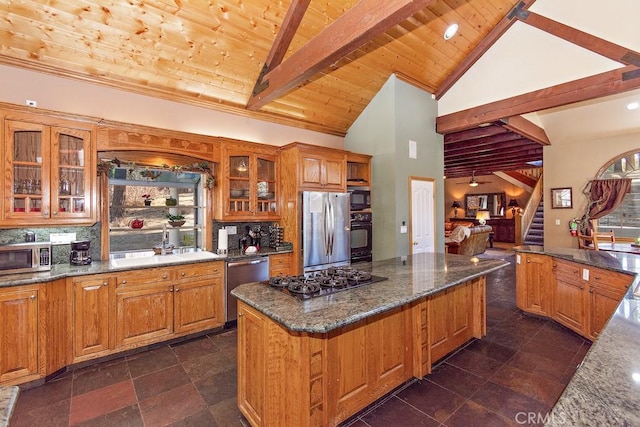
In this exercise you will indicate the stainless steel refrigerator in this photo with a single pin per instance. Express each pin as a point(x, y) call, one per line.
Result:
point(325, 230)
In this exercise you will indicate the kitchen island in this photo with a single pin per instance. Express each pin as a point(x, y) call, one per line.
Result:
point(319, 361)
point(604, 390)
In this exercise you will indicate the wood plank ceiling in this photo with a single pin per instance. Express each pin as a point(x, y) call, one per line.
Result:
point(213, 53)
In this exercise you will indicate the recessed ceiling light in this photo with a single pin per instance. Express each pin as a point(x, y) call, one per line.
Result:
point(633, 106)
point(450, 31)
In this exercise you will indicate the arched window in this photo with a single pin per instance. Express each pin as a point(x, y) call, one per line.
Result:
point(625, 220)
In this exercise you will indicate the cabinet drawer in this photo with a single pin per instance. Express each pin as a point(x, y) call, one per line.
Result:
point(610, 280)
point(209, 269)
point(151, 276)
point(568, 271)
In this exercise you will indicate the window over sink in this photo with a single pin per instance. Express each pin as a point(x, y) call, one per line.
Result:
point(144, 202)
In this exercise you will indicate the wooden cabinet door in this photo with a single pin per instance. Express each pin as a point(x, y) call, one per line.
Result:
point(349, 367)
point(143, 314)
point(251, 364)
point(311, 172)
point(19, 346)
point(49, 181)
point(334, 174)
point(198, 305)
point(570, 296)
point(450, 320)
point(533, 283)
point(606, 290)
point(366, 360)
point(280, 264)
point(92, 315)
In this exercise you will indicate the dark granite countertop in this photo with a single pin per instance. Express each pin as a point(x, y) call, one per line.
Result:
point(420, 275)
point(605, 390)
point(60, 271)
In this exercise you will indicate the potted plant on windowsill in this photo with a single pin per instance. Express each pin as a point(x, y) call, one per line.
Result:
point(176, 220)
point(147, 199)
point(170, 201)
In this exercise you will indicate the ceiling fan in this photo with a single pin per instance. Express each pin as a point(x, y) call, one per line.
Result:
point(474, 182)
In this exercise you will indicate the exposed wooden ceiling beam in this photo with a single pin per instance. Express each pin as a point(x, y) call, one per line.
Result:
point(524, 127)
point(580, 38)
point(509, 154)
point(481, 48)
point(288, 30)
point(596, 86)
point(499, 150)
point(365, 20)
point(509, 137)
point(475, 133)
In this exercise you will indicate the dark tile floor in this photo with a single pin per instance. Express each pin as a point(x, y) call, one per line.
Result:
point(511, 377)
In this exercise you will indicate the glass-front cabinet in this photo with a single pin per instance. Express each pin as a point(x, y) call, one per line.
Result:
point(250, 186)
point(48, 179)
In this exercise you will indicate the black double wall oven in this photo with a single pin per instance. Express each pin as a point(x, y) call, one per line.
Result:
point(361, 236)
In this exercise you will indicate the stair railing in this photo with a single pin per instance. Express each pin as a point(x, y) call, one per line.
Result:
point(529, 212)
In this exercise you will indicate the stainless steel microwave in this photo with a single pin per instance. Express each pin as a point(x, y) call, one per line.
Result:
point(25, 257)
point(360, 199)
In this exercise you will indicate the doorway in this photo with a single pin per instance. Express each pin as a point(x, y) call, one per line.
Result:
point(422, 194)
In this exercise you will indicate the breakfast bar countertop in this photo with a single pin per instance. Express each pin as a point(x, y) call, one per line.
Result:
point(605, 389)
point(409, 279)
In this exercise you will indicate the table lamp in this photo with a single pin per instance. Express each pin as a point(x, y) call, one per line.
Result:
point(513, 204)
point(482, 217)
point(455, 207)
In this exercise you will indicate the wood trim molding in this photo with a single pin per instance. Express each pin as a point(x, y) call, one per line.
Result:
point(524, 127)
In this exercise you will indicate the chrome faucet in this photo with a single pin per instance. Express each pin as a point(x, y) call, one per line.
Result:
point(164, 239)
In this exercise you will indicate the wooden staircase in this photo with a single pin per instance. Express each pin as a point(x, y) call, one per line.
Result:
point(535, 235)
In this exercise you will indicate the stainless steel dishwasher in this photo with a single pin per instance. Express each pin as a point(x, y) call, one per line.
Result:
point(240, 272)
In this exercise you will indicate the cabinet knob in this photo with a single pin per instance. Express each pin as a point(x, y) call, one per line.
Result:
point(45, 212)
point(528, 261)
point(183, 274)
point(124, 282)
point(240, 314)
point(164, 276)
point(32, 297)
point(54, 213)
point(105, 284)
point(597, 277)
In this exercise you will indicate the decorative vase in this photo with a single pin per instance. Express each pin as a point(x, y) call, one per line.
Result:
point(170, 201)
point(147, 202)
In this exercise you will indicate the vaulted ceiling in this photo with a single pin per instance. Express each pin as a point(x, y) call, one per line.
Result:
point(315, 64)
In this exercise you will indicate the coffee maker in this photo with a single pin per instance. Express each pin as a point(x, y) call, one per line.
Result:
point(80, 252)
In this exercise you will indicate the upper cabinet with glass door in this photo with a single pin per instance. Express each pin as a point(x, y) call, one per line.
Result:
point(249, 186)
point(50, 174)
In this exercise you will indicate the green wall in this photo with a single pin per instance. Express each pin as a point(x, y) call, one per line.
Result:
point(398, 113)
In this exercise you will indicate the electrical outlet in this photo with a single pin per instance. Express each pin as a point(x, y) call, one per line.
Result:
point(585, 274)
point(557, 222)
point(232, 229)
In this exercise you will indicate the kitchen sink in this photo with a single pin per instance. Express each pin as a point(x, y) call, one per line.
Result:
point(147, 259)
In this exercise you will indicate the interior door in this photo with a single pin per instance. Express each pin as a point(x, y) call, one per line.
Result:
point(422, 215)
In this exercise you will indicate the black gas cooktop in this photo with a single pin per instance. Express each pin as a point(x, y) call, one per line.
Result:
point(323, 283)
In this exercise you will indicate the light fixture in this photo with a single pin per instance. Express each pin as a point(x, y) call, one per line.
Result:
point(242, 167)
point(450, 31)
point(513, 204)
point(473, 182)
point(482, 217)
point(633, 106)
point(455, 207)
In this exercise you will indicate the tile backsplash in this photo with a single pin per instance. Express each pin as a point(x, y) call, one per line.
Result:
point(241, 228)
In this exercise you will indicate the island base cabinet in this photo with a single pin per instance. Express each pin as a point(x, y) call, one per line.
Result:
point(455, 316)
point(303, 379)
point(534, 279)
point(19, 335)
point(366, 361)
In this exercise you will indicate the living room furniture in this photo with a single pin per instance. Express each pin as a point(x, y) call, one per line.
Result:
point(475, 243)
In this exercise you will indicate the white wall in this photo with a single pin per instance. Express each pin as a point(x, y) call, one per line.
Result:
point(77, 97)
